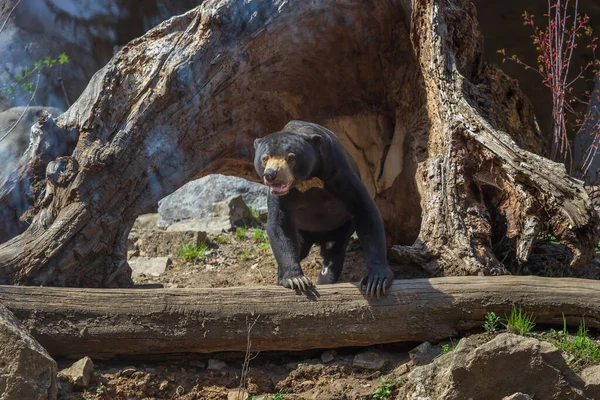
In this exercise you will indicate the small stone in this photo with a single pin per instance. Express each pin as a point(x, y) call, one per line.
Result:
point(402, 369)
point(211, 267)
point(216, 364)
point(127, 372)
point(369, 360)
point(149, 266)
point(79, 373)
point(328, 356)
point(163, 386)
point(197, 364)
point(517, 396)
point(237, 394)
point(423, 354)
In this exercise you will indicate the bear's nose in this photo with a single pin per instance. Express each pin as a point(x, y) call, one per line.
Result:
point(270, 174)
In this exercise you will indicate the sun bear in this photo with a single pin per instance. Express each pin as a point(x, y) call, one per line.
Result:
point(316, 197)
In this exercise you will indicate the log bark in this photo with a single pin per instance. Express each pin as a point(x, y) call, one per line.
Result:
point(444, 141)
point(103, 323)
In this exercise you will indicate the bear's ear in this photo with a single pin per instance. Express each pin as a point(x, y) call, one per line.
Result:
point(316, 140)
point(256, 143)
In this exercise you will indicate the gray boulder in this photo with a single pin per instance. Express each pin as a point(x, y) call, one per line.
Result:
point(26, 369)
point(195, 199)
point(499, 368)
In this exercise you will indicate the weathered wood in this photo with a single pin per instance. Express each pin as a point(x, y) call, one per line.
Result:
point(445, 143)
point(144, 321)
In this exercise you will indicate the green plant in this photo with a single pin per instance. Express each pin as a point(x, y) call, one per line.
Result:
point(263, 247)
point(240, 232)
point(96, 373)
point(491, 322)
point(583, 349)
point(448, 347)
point(23, 80)
point(254, 212)
point(245, 255)
point(190, 252)
point(519, 322)
point(276, 396)
point(260, 235)
point(100, 390)
point(221, 239)
point(385, 390)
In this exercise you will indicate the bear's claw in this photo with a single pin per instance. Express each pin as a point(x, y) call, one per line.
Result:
point(301, 283)
point(375, 285)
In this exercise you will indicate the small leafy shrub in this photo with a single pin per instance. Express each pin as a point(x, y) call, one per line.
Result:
point(190, 252)
point(448, 347)
point(386, 389)
point(24, 81)
point(519, 322)
point(276, 396)
point(491, 322)
point(383, 391)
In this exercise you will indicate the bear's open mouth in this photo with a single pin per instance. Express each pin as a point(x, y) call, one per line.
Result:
point(279, 189)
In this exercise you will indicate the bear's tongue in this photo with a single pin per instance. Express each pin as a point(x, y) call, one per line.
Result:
point(278, 188)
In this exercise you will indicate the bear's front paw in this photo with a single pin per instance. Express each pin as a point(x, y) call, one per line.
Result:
point(299, 282)
point(377, 283)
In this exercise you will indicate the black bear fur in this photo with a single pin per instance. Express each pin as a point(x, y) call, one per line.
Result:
point(328, 213)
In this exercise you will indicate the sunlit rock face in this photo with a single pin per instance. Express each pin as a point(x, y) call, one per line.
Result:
point(87, 31)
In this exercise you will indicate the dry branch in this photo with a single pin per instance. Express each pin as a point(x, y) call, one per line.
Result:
point(100, 322)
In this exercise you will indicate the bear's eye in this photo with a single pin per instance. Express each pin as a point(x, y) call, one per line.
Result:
point(290, 158)
point(264, 159)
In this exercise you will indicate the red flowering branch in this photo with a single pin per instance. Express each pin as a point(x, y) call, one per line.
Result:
point(555, 45)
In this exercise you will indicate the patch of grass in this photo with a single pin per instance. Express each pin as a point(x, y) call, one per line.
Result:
point(491, 322)
point(221, 239)
point(519, 322)
point(260, 235)
point(245, 255)
point(583, 349)
point(240, 232)
point(190, 252)
point(263, 247)
point(448, 347)
point(100, 390)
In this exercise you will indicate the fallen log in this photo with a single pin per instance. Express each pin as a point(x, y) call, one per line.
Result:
point(107, 322)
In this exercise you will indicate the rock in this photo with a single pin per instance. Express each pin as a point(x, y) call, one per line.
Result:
point(369, 360)
point(591, 378)
point(26, 369)
point(328, 356)
point(146, 222)
point(423, 354)
point(195, 199)
point(237, 394)
point(149, 266)
point(507, 364)
point(517, 396)
point(157, 243)
point(224, 216)
point(216, 364)
point(197, 364)
point(79, 373)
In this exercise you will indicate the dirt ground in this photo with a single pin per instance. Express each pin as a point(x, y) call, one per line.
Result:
point(237, 259)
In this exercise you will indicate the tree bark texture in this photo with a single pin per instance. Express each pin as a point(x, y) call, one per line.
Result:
point(107, 322)
point(444, 141)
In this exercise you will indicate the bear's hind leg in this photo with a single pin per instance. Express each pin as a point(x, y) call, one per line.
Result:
point(333, 251)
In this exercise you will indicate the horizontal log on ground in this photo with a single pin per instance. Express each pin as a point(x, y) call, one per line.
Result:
point(107, 322)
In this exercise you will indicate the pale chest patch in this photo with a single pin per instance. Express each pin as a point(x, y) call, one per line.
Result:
point(309, 184)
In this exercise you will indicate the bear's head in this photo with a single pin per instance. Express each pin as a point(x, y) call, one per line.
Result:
point(285, 159)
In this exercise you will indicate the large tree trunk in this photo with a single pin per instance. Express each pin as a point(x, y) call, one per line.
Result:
point(96, 322)
point(441, 139)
